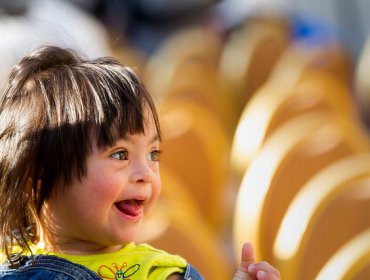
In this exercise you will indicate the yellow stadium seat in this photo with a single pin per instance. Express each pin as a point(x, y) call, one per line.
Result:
point(185, 68)
point(275, 103)
point(188, 44)
point(329, 210)
point(289, 158)
point(331, 58)
point(249, 54)
point(351, 261)
point(174, 188)
point(196, 149)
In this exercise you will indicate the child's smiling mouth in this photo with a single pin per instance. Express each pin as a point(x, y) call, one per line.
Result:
point(131, 207)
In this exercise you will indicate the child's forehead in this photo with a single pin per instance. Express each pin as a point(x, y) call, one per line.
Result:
point(149, 138)
point(118, 129)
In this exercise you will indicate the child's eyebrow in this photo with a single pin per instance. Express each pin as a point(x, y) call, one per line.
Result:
point(154, 139)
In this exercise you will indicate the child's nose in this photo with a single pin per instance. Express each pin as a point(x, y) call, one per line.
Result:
point(142, 173)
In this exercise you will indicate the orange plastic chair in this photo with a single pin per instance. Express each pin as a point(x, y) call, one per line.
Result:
point(183, 47)
point(175, 189)
point(194, 43)
point(274, 104)
point(250, 53)
point(185, 68)
point(196, 82)
point(196, 149)
point(289, 158)
point(351, 261)
point(329, 210)
point(330, 58)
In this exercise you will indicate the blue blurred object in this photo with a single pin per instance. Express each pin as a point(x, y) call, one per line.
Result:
point(313, 31)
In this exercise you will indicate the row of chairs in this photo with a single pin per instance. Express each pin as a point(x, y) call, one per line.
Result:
point(326, 215)
point(274, 103)
point(249, 125)
point(302, 155)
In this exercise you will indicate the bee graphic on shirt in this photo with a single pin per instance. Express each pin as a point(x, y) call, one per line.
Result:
point(116, 272)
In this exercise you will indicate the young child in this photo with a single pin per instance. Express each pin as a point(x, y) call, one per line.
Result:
point(79, 151)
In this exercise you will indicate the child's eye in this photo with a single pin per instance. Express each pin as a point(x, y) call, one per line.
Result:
point(154, 155)
point(120, 155)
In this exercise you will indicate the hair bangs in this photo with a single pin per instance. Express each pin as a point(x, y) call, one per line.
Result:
point(124, 102)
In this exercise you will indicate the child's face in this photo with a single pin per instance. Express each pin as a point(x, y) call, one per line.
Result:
point(105, 208)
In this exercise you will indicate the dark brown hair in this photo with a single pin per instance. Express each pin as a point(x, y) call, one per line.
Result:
point(55, 107)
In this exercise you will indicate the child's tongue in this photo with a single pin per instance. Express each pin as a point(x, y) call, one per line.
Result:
point(129, 207)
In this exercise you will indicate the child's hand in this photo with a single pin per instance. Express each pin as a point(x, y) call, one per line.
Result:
point(250, 270)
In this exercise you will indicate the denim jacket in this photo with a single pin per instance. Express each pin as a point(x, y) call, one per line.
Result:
point(55, 268)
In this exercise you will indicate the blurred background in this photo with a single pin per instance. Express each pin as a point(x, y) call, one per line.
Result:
point(264, 107)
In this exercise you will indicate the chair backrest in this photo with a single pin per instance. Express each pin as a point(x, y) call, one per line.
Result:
point(274, 104)
point(185, 68)
point(196, 150)
point(250, 53)
point(329, 210)
point(331, 58)
point(184, 46)
point(174, 188)
point(351, 261)
point(289, 158)
point(197, 82)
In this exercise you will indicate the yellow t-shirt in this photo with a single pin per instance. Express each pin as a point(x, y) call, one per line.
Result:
point(133, 261)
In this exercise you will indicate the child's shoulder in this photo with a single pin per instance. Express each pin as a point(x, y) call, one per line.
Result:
point(146, 249)
point(153, 255)
point(16, 250)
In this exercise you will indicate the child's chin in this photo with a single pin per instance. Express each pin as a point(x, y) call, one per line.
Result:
point(128, 236)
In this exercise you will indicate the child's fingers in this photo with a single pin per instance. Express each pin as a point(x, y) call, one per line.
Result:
point(264, 271)
point(250, 270)
point(263, 275)
point(247, 257)
point(241, 275)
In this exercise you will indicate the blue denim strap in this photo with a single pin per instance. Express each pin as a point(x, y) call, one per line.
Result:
point(48, 268)
point(192, 274)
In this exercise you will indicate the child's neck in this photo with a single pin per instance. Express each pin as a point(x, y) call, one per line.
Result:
point(78, 248)
point(69, 246)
